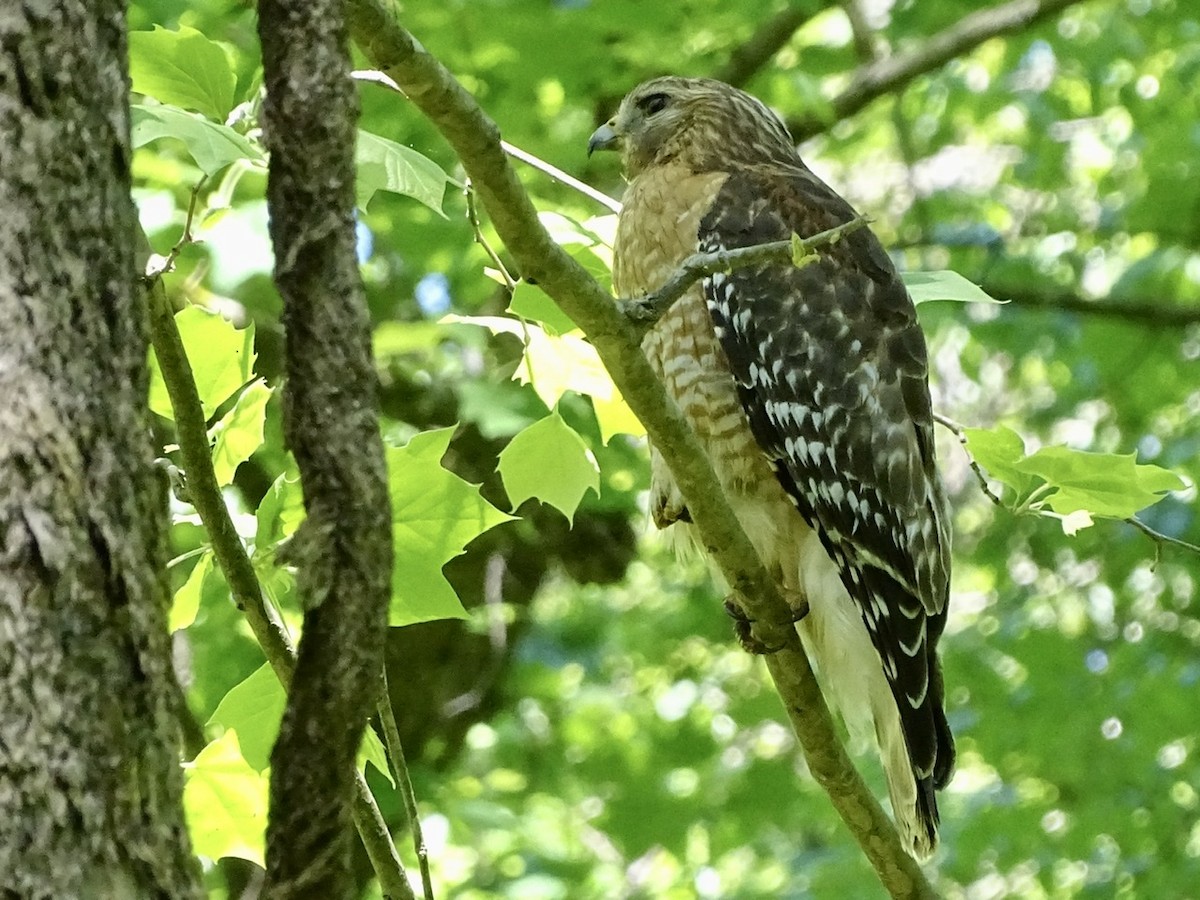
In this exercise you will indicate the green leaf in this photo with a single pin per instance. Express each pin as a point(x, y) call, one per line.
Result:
point(281, 510)
point(182, 68)
point(554, 364)
point(999, 450)
point(222, 359)
point(240, 431)
point(212, 146)
point(186, 602)
point(225, 802)
point(384, 165)
point(925, 287)
point(1102, 484)
point(435, 515)
point(371, 751)
point(253, 708)
point(530, 302)
point(549, 461)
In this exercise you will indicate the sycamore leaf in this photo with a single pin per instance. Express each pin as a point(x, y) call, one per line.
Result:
point(240, 431)
point(384, 165)
point(550, 461)
point(435, 514)
point(281, 510)
point(182, 68)
point(998, 450)
point(221, 356)
point(225, 802)
point(186, 602)
point(1102, 484)
point(530, 302)
point(211, 145)
point(253, 708)
point(925, 287)
point(554, 364)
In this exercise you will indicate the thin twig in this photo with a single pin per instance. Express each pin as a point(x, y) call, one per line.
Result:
point(960, 432)
point(399, 766)
point(473, 218)
point(558, 174)
point(645, 311)
point(1159, 538)
point(374, 76)
point(167, 263)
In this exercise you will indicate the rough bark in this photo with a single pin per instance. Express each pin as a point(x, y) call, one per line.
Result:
point(90, 783)
point(331, 413)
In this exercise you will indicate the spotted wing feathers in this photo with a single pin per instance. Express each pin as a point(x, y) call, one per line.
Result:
point(830, 366)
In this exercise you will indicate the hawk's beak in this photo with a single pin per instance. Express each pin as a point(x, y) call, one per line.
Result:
point(603, 138)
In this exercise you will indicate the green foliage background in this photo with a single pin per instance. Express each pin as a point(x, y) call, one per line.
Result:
point(618, 743)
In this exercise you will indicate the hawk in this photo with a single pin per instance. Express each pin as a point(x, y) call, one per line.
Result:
point(808, 387)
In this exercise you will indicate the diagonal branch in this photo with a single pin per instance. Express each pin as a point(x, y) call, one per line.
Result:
point(892, 73)
point(475, 138)
point(768, 39)
point(645, 311)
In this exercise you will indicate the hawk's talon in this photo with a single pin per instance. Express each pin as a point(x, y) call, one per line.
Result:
point(743, 630)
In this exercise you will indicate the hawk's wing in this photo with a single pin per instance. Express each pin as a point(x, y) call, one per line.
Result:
point(831, 370)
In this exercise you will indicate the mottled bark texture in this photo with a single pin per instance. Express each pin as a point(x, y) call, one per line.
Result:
point(90, 783)
point(331, 410)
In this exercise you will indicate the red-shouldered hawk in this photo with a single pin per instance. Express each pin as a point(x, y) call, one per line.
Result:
point(808, 387)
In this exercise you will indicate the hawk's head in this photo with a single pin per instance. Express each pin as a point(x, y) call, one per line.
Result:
point(699, 122)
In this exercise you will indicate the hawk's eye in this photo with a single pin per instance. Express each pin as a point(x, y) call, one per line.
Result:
point(654, 103)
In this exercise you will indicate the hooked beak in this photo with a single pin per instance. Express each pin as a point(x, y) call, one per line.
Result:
point(603, 138)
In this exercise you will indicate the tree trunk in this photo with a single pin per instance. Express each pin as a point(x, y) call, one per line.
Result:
point(90, 783)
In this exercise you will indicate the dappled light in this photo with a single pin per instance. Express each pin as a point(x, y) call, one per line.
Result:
point(578, 719)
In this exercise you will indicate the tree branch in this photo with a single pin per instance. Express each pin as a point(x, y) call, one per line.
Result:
point(475, 138)
point(1148, 313)
point(331, 422)
point(768, 39)
point(894, 72)
point(647, 310)
point(230, 553)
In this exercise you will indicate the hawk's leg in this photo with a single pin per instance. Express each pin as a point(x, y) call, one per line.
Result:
point(743, 625)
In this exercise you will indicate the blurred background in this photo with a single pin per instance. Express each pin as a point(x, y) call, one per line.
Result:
point(592, 730)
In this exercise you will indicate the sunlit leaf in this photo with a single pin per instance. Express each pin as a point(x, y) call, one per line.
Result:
point(435, 514)
point(182, 68)
point(240, 431)
point(549, 461)
point(925, 287)
point(999, 450)
point(221, 356)
point(211, 145)
point(281, 510)
point(384, 165)
point(1102, 484)
point(225, 802)
point(554, 364)
point(530, 302)
point(253, 708)
point(186, 602)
